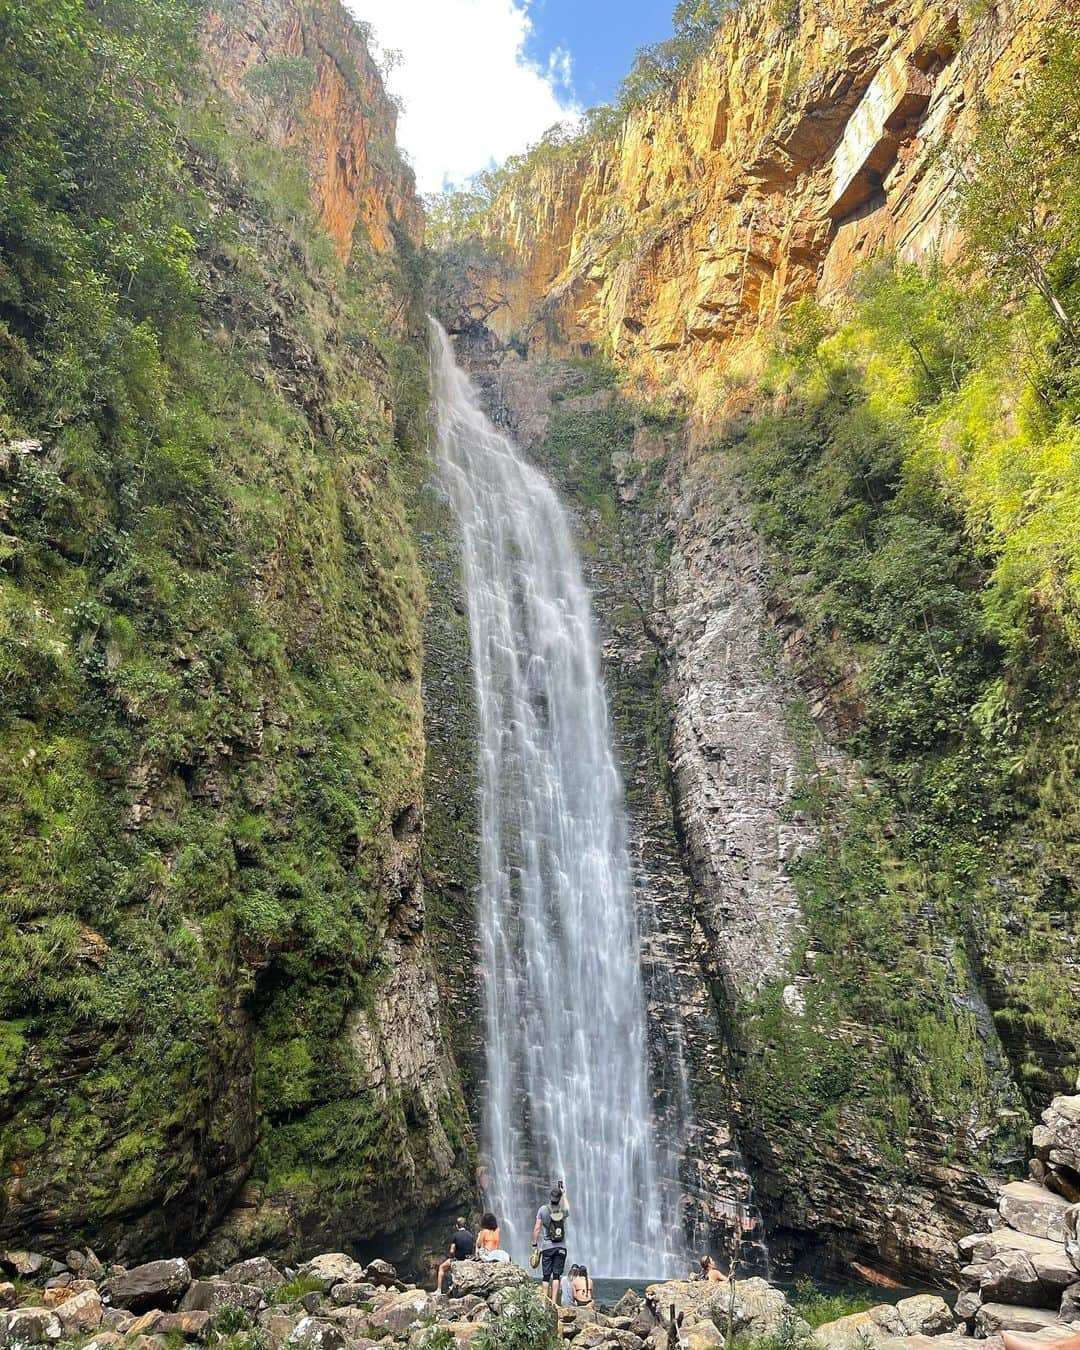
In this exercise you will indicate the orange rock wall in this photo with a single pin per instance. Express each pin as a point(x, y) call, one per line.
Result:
point(790, 154)
point(345, 123)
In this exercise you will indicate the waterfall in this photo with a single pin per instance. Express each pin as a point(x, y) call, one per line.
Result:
point(567, 1092)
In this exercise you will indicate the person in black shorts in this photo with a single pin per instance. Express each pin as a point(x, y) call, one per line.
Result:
point(462, 1247)
point(549, 1231)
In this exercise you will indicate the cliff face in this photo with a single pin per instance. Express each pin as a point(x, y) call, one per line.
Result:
point(794, 150)
point(220, 1024)
point(301, 76)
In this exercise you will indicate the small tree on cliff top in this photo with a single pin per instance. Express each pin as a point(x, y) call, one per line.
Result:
point(1019, 197)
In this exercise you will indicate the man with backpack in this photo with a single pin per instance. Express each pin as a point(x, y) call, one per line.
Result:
point(549, 1232)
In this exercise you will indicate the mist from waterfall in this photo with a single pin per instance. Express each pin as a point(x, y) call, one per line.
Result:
point(567, 1092)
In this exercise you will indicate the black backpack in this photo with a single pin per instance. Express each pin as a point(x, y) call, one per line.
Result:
point(556, 1226)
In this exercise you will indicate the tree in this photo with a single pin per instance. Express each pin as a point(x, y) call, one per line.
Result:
point(657, 68)
point(1019, 196)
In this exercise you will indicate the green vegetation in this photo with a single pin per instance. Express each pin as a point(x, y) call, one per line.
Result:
point(209, 639)
point(658, 68)
point(816, 1308)
point(526, 1322)
point(790, 1334)
point(915, 480)
point(292, 1291)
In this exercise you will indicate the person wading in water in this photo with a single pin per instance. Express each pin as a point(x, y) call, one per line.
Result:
point(551, 1222)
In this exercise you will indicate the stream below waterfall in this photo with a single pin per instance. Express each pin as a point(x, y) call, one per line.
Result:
point(566, 1093)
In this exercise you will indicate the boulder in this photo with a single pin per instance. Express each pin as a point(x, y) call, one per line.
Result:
point(995, 1317)
point(629, 1305)
point(1057, 1140)
point(277, 1325)
point(105, 1340)
point(947, 1341)
point(158, 1284)
point(688, 1297)
point(381, 1273)
point(758, 1308)
point(258, 1270)
point(345, 1295)
point(1069, 1310)
point(405, 1313)
point(80, 1313)
point(1010, 1277)
point(463, 1333)
point(484, 1278)
point(332, 1268)
point(1049, 1259)
point(460, 1309)
point(968, 1302)
point(146, 1324)
point(213, 1295)
point(23, 1263)
point(594, 1337)
point(858, 1330)
point(1033, 1209)
point(192, 1325)
point(314, 1334)
point(926, 1315)
point(352, 1321)
point(1072, 1234)
point(153, 1342)
point(701, 1336)
point(29, 1326)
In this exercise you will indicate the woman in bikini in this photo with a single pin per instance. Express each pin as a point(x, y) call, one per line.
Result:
point(489, 1240)
point(583, 1289)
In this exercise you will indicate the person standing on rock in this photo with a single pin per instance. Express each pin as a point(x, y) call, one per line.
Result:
point(462, 1246)
point(549, 1231)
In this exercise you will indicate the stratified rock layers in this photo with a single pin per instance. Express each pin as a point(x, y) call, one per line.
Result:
point(806, 138)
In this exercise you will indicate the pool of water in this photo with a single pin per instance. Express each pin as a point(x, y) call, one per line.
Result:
point(609, 1291)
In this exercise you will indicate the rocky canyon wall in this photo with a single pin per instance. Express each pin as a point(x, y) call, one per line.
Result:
point(222, 1033)
point(808, 138)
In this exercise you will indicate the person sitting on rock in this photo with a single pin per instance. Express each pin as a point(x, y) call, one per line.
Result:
point(488, 1240)
point(566, 1287)
point(709, 1270)
point(582, 1289)
point(462, 1246)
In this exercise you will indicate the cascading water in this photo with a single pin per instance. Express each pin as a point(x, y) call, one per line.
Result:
point(567, 1093)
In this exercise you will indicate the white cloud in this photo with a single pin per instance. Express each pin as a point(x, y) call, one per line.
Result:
point(471, 96)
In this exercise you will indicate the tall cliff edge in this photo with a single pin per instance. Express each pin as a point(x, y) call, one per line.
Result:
point(884, 907)
point(220, 1031)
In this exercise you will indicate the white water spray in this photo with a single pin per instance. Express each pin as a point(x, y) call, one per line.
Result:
point(567, 1092)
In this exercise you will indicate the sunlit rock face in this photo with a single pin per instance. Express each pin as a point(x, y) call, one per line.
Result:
point(302, 76)
point(794, 151)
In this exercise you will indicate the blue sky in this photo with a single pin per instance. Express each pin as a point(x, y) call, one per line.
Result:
point(601, 37)
point(482, 79)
